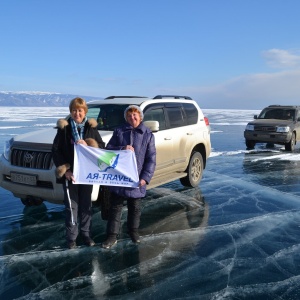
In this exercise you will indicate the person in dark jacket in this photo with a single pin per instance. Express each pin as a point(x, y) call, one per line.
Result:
point(77, 197)
point(134, 136)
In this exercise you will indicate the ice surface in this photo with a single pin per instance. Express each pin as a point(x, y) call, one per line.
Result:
point(236, 236)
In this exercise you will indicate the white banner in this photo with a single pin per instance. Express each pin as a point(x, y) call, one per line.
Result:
point(105, 167)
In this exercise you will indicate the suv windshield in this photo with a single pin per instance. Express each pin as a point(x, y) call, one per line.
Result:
point(108, 116)
point(277, 113)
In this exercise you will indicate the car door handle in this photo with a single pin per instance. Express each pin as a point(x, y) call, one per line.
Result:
point(167, 138)
point(189, 133)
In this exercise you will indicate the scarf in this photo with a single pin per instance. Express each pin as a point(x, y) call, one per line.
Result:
point(77, 129)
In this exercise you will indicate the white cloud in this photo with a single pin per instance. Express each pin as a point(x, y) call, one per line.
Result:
point(278, 58)
point(253, 91)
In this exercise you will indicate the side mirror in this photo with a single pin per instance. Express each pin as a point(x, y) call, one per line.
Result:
point(255, 116)
point(152, 125)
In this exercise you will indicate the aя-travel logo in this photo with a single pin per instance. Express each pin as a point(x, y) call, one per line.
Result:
point(108, 160)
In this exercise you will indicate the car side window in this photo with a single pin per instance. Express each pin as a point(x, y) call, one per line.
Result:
point(191, 113)
point(175, 116)
point(156, 114)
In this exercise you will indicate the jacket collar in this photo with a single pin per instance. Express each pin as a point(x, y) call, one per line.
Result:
point(62, 123)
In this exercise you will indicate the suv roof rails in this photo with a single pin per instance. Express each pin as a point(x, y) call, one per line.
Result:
point(115, 97)
point(172, 96)
point(277, 105)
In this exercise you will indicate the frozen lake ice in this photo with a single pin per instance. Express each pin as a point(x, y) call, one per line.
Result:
point(236, 236)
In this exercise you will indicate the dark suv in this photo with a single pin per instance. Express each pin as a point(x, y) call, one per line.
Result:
point(276, 124)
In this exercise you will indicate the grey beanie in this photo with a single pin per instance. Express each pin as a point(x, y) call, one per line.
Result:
point(134, 107)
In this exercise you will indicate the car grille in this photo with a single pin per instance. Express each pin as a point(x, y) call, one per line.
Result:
point(31, 159)
point(265, 128)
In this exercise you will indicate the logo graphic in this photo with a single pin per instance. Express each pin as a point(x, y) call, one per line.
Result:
point(28, 157)
point(108, 160)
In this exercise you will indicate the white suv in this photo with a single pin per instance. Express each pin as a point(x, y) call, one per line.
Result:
point(182, 139)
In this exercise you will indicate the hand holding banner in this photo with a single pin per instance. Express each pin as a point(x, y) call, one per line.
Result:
point(105, 167)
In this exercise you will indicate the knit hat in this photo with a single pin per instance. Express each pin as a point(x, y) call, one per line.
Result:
point(135, 107)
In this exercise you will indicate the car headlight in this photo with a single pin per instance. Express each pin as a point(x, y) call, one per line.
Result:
point(7, 146)
point(283, 129)
point(250, 127)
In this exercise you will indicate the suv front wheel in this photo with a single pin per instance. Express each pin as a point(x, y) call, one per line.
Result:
point(250, 144)
point(194, 170)
point(290, 146)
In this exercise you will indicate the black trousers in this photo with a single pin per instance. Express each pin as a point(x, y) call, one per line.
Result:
point(78, 209)
point(115, 214)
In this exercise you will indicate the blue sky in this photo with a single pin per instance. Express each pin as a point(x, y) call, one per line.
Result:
point(241, 54)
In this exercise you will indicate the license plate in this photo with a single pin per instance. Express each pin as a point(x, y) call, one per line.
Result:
point(23, 178)
point(263, 135)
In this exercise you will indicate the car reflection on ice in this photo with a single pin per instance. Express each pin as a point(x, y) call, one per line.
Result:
point(172, 223)
point(273, 168)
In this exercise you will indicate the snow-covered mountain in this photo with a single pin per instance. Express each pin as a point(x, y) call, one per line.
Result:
point(38, 98)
